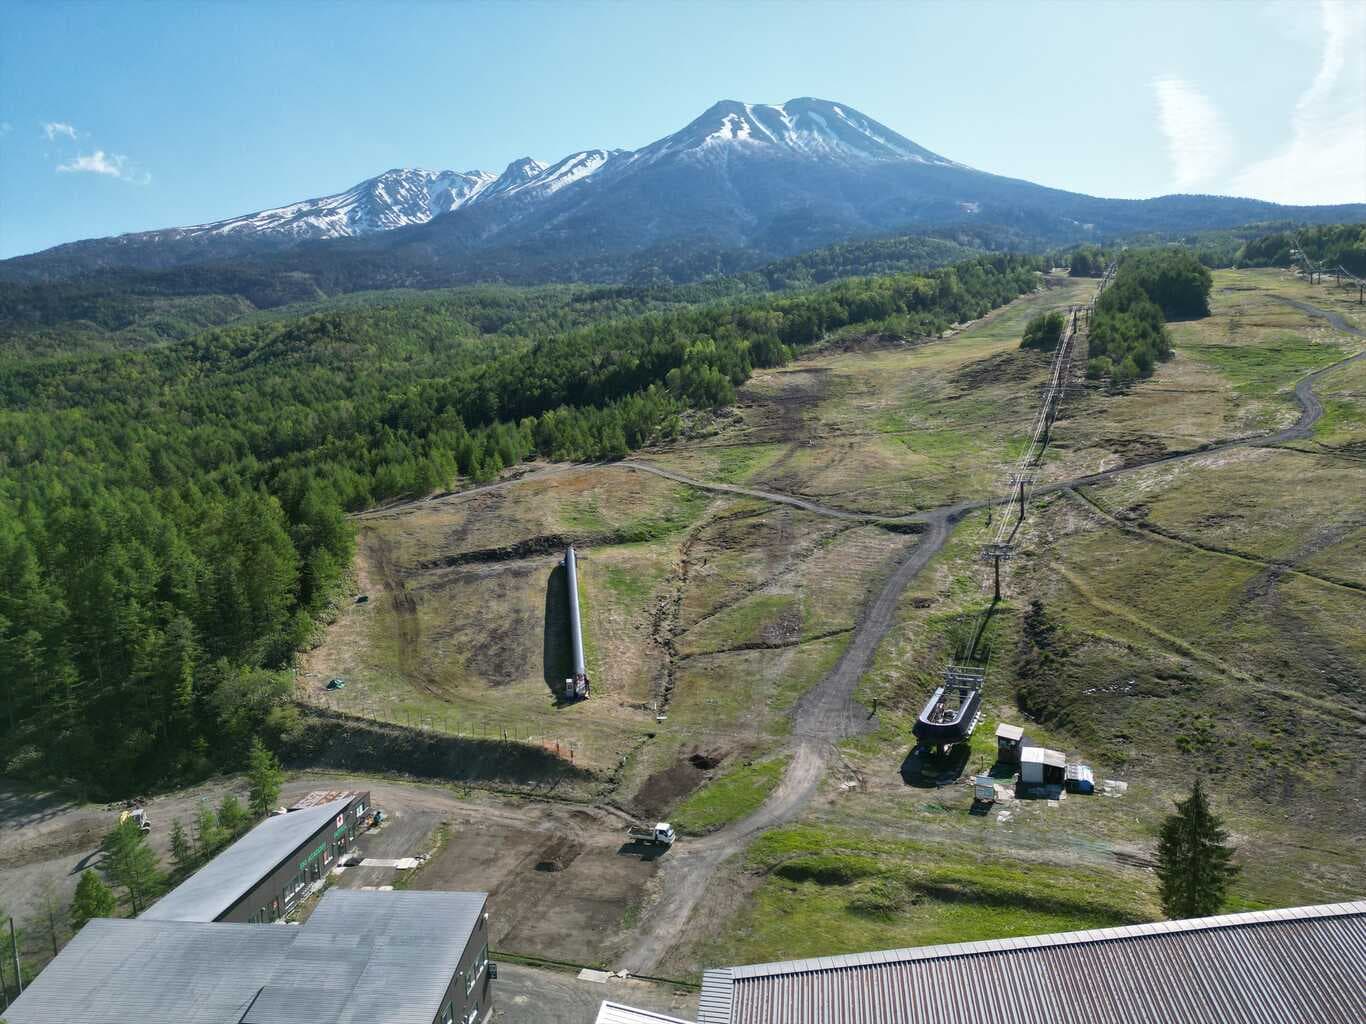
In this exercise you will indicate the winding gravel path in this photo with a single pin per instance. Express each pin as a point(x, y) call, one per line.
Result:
point(828, 713)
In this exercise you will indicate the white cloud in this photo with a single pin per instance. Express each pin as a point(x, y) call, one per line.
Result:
point(52, 129)
point(99, 162)
point(1198, 141)
point(1325, 160)
point(6, 127)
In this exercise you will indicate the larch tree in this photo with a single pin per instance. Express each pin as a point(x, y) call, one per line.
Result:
point(93, 899)
point(1194, 861)
point(131, 865)
point(182, 850)
point(265, 777)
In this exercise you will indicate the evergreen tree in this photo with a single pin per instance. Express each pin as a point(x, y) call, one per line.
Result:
point(182, 850)
point(1194, 864)
point(232, 818)
point(93, 899)
point(208, 836)
point(130, 864)
point(263, 772)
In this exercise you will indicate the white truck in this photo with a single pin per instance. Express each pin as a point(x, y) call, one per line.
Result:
point(661, 834)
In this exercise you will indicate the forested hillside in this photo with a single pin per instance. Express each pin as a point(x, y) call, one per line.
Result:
point(1332, 245)
point(172, 519)
point(114, 310)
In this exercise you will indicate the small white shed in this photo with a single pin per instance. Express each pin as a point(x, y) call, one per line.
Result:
point(1009, 739)
point(1041, 766)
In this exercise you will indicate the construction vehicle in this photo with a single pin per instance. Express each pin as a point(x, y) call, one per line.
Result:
point(138, 816)
point(661, 834)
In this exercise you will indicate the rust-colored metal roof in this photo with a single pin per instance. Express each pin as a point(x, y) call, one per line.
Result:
point(322, 796)
point(1298, 965)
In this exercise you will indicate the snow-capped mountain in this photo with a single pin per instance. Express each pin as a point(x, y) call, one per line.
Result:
point(811, 128)
point(763, 179)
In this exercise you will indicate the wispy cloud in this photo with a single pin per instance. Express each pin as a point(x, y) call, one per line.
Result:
point(5, 128)
point(1325, 160)
point(111, 164)
point(1198, 141)
point(53, 129)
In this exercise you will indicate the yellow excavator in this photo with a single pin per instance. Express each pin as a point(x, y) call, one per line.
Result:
point(138, 815)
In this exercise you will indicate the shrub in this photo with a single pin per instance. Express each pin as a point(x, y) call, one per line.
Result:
point(1044, 331)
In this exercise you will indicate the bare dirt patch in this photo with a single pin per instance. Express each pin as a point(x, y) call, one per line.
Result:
point(560, 886)
point(669, 785)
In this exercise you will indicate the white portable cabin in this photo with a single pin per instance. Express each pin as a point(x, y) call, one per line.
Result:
point(1041, 766)
point(984, 789)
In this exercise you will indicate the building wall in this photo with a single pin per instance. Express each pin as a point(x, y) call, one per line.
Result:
point(273, 896)
point(469, 997)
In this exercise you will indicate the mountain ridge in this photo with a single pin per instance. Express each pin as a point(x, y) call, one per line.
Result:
point(774, 178)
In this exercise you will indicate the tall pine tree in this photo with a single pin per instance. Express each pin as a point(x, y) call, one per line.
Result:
point(131, 865)
point(265, 777)
point(1194, 862)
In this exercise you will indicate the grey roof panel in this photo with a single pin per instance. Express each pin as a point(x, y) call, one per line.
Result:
point(216, 887)
point(119, 970)
point(361, 958)
point(1300, 964)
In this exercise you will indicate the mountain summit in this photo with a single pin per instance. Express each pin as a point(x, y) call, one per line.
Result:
point(761, 180)
point(817, 129)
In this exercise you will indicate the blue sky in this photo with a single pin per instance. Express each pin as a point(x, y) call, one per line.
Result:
point(128, 116)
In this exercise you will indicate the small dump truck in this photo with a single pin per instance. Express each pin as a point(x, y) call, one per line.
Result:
point(661, 834)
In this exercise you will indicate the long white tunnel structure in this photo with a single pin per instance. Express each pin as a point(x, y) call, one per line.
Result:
point(580, 682)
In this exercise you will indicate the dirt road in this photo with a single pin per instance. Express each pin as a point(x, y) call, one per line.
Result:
point(828, 713)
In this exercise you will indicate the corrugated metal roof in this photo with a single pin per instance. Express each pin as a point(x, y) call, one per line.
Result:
point(218, 885)
point(361, 958)
point(391, 955)
point(1042, 755)
point(1301, 964)
point(153, 971)
point(616, 1013)
point(1009, 732)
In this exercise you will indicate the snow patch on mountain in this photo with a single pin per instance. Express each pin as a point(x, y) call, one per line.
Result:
point(394, 199)
point(810, 130)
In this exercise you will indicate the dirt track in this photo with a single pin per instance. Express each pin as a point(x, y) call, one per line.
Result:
point(828, 713)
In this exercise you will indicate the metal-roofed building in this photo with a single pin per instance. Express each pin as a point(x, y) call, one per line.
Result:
point(1305, 964)
point(361, 958)
point(1041, 766)
point(260, 877)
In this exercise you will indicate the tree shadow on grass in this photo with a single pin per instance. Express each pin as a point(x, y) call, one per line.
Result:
point(557, 656)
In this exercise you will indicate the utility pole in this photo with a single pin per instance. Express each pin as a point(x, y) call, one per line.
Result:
point(996, 562)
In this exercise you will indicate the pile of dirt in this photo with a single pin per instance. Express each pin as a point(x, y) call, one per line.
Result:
point(708, 760)
point(666, 787)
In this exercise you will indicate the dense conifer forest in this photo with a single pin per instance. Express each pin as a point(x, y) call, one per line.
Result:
point(172, 517)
